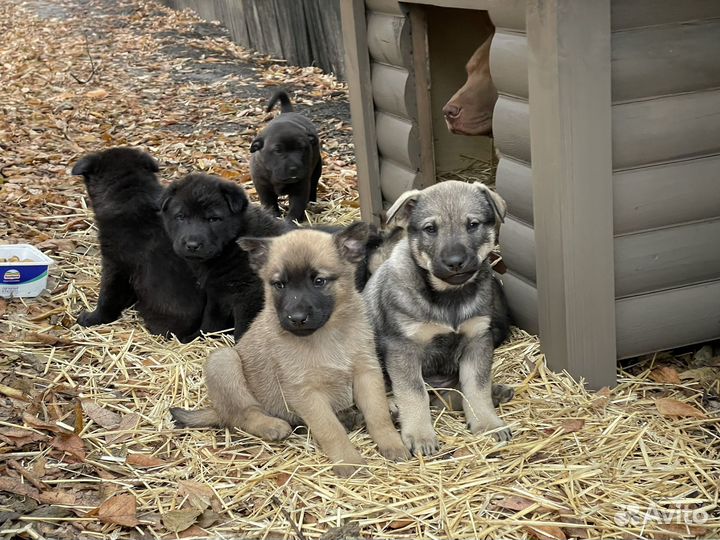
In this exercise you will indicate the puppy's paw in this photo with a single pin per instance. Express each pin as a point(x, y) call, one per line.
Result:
point(393, 450)
point(500, 431)
point(273, 429)
point(421, 442)
point(502, 393)
point(89, 318)
point(504, 434)
point(346, 471)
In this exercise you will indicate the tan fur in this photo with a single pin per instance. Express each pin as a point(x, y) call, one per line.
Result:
point(273, 379)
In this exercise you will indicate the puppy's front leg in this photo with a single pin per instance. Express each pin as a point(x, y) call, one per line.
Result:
point(315, 410)
point(268, 197)
point(404, 366)
point(369, 394)
point(116, 294)
point(298, 200)
point(476, 386)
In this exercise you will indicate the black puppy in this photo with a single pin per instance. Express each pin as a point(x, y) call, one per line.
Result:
point(286, 160)
point(138, 264)
point(203, 216)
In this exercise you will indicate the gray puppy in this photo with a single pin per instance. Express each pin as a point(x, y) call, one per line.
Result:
point(437, 308)
point(286, 160)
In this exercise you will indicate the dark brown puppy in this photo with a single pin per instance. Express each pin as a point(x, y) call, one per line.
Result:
point(286, 160)
point(204, 215)
point(138, 263)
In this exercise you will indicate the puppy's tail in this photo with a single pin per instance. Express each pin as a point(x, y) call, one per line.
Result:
point(283, 98)
point(195, 419)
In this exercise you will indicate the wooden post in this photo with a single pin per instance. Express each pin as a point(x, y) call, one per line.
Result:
point(571, 146)
point(357, 69)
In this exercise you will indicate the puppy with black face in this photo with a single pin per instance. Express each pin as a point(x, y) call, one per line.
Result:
point(203, 216)
point(139, 265)
point(286, 160)
point(308, 355)
point(438, 310)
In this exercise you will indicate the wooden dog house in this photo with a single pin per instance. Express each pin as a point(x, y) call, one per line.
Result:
point(612, 242)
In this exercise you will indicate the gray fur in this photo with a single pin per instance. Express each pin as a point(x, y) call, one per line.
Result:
point(436, 321)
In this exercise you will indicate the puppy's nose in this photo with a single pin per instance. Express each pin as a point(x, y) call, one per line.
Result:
point(451, 111)
point(454, 261)
point(192, 245)
point(293, 170)
point(298, 318)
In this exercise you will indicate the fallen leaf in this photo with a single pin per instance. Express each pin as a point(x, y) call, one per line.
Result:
point(79, 420)
point(144, 460)
point(513, 502)
point(400, 523)
point(675, 408)
point(210, 518)
point(100, 415)
point(545, 532)
point(49, 339)
point(602, 400)
point(128, 423)
point(192, 532)
point(349, 530)
point(281, 479)
point(70, 444)
point(98, 93)
point(462, 452)
point(199, 495)
point(51, 496)
point(672, 531)
point(702, 374)
point(36, 423)
point(3, 307)
point(665, 375)
point(179, 520)
point(20, 437)
point(572, 425)
point(119, 510)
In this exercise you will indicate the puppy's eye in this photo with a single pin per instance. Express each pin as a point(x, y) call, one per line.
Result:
point(473, 225)
point(277, 149)
point(180, 217)
point(319, 282)
point(430, 228)
point(278, 284)
point(214, 219)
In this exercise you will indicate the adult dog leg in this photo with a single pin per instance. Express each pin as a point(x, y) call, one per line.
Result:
point(324, 426)
point(370, 398)
point(116, 294)
point(476, 386)
point(404, 366)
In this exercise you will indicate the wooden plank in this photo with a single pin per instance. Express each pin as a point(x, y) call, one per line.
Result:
point(508, 14)
point(517, 242)
point(233, 18)
point(384, 6)
point(397, 140)
point(570, 126)
point(511, 127)
point(389, 39)
point(395, 179)
point(423, 102)
point(638, 13)
point(513, 181)
point(668, 59)
point(522, 299)
point(357, 66)
point(666, 129)
point(508, 63)
point(461, 4)
point(392, 90)
point(294, 42)
point(668, 319)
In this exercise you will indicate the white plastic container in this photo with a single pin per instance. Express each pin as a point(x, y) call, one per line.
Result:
point(23, 278)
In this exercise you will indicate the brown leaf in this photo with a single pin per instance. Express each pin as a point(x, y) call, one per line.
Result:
point(36, 423)
point(70, 444)
point(672, 531)
point(49, 339)
point(545, 532)
point(179, 520)
point(20, 437)
point(193, 532)
point(199, 495)
point(400, 523)
point(462, 452)
point(119, 510)
point(210, 518)
point(128, 423)
point(51, 496)
point(675, 408)
point(665, 375)
point(3, 306)
point(281, 479)
point(702, 374)
point(144, 461)
point(572, 425)
point(79, 420)
point(513, 502)
point(98, 93)
point(100, 415)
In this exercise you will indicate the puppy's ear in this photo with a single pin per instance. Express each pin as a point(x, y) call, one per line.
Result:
point(313, 139)
point(498, 204)
point(85, 166)
point(235, 197)
point(149, 163)
point(402, 208)
point(257, 250)
point(352, 241)
point(257, 144)
point(167, 195)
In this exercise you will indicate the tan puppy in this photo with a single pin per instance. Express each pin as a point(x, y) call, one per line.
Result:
point(308, 355)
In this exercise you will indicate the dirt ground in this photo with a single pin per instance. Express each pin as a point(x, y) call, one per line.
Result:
point(87, 449)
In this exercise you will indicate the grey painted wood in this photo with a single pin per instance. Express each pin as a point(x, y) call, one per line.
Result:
point(398, 140)
point(517, 242)
point(508, 63)
point(523, 301)
point(570, 91)
point(513, 181)
point(392, 90)
point(395, 179)
point(461, 4)
point(511, 127)
point(666, 129)
point(666, 59)
point(668, 319)
point(638, 13)
point(384, 6)
point(357, 65)
point(389, 39)
point(508, 14)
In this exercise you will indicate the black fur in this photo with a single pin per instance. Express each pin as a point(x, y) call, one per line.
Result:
point(286, 160)
point(204, 215)
point(138, 264)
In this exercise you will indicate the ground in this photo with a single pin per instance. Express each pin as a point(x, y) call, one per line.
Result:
point(87, 448)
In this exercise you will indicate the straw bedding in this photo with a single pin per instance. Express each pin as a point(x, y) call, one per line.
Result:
point(88, 450)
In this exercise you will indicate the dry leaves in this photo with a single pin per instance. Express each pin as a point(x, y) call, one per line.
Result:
point(179, 520)
point(100, 415)
point(545, 532)
point(199, 495)
point(677, 409)
point(49, 496)
point(119, 509)
point(70, 444)
point(665, 375)
point(144, 461)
